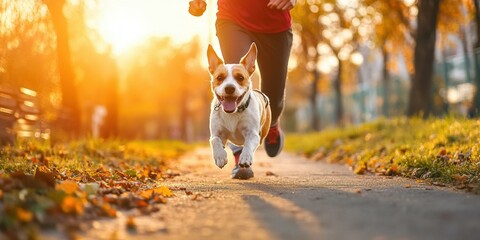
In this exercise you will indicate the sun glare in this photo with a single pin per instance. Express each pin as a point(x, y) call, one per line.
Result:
point(126, 23)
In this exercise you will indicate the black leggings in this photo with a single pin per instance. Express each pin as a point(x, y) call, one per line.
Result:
point(273, 54)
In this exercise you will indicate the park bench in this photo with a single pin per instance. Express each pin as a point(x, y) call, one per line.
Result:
point(20, 115)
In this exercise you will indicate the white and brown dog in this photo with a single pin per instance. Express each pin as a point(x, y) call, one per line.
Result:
point(238, 113)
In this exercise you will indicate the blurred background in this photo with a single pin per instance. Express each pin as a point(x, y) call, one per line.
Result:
point(137, 69)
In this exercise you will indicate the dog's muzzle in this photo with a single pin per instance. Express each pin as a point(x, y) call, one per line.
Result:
point(230, 103)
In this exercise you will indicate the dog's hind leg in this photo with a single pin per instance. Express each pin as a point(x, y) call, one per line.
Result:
point(218, 151)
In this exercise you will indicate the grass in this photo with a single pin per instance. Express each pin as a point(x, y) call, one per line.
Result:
point(442, 151)
point(87, 156)
point(79, 181)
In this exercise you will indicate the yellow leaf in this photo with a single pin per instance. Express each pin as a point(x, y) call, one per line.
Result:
point(24, 215)
point(147, 194)
point(69, 187)
point(164, 191)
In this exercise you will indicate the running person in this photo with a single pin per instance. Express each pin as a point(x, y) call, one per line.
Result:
point(268, 24)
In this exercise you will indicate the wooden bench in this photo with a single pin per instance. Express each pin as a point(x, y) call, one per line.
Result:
point(20, 115)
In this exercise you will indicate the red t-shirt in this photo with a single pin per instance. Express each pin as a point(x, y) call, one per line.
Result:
point(254, 15)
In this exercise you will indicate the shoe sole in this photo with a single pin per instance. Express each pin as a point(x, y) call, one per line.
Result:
point(243, 173)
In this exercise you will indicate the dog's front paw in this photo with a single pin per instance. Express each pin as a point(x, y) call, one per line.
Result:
point(246, 159)
point(220, 157)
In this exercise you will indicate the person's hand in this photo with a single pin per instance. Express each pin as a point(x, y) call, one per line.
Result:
point(283, 5)
point(197, 7)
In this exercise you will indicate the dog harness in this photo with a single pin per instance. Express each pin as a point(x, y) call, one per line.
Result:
point(242, 107)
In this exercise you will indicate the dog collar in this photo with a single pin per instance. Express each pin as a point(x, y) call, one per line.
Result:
point(240, 108)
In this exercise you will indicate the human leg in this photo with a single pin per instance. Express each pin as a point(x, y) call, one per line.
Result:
point(234, 40)
point(273, 56)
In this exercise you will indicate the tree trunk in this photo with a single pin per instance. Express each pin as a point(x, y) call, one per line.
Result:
point(313, 100)
point(67, 81)
point(474, 110)
point(419, 99)
point(337, 85)
point(386, 84)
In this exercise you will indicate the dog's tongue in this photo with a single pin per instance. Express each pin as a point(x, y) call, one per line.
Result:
point(229, 105)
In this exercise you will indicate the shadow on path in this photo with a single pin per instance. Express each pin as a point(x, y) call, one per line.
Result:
point(315, 212)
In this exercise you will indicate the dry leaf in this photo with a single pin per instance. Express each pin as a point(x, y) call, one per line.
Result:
point(24, 215)
point(72, 205)
point(164, 191)
point(269, 173)
point(43, 174)
point(69, 187)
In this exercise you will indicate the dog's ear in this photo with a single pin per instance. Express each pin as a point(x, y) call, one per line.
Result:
point(249, 59)
point(213, 59)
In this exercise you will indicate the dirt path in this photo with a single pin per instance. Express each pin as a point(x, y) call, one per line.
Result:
point(305, 200)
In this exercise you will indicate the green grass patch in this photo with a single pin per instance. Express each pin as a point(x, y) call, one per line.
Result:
point(443, 151)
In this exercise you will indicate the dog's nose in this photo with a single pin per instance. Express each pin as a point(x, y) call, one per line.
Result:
point(230, 89)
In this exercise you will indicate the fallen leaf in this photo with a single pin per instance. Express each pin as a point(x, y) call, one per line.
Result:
point(164, 191)
point(141, 204)
point(72, 205)
point(69, 187)
point(43, 174)
point(147, 194)
point(269, 173)
point(159, 199)
point(24, 215)
point(407, 186)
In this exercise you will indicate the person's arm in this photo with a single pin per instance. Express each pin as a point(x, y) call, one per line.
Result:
point(283, 5)
point(197, 7)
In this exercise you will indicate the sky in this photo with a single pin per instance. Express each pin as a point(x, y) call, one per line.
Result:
point(126, 23)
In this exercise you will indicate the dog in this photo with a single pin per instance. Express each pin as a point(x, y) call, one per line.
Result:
point(238, 113)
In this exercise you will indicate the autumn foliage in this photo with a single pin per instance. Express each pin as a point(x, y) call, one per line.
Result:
point(43, 186)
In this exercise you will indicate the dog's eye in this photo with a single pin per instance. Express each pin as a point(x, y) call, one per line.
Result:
point(239, 78)
point(220, 77)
